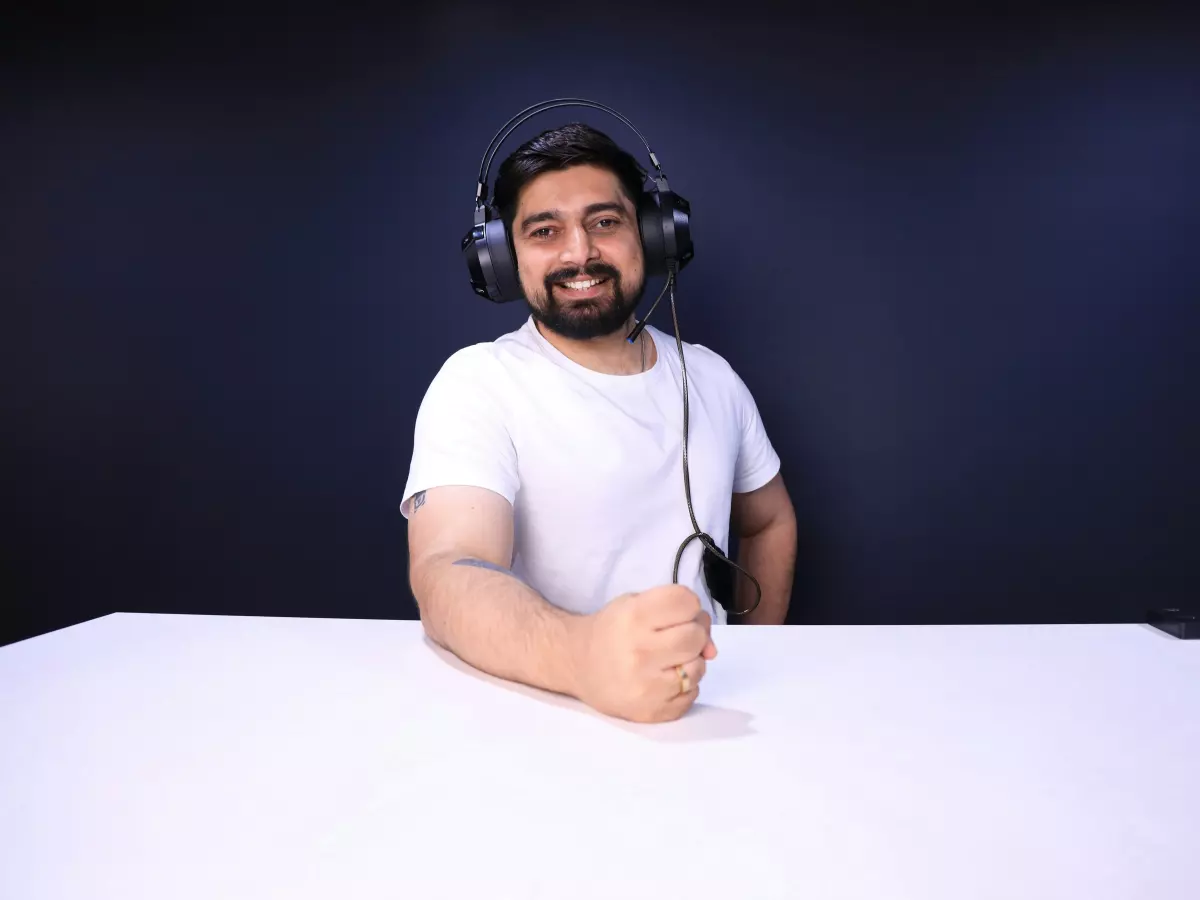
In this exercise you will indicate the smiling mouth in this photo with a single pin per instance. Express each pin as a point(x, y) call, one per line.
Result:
point(585, 284)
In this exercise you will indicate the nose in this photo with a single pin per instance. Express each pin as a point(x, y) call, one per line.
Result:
point(578, 248)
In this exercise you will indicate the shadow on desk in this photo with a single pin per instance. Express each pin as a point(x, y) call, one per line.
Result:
point(700, 723)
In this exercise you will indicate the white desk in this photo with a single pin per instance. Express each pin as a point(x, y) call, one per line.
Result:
point(172, 757)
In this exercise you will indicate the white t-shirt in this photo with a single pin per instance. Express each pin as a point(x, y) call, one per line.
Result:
point(592, 463)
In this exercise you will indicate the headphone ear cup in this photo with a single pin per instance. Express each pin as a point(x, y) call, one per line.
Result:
point(504, 263)
point(491, 265)
point(479, 267)
point(666, 226)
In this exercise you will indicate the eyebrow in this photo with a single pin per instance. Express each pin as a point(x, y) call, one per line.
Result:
point(590, 210)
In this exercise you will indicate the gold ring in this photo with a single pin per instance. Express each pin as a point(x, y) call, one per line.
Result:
point(684, 681)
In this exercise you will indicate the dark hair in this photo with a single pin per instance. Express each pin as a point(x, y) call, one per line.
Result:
point(561, 148)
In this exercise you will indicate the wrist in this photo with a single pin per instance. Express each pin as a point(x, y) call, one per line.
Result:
point(577, 637)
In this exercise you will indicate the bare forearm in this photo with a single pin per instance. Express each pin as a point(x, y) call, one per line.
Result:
point(489, 618)
point(770, 556)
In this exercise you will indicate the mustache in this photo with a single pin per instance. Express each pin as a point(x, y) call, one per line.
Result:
point(592, 270)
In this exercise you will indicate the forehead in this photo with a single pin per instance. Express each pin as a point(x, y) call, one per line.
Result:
point(570, 190)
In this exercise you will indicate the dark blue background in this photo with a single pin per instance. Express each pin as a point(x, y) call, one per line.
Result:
point(955, 259)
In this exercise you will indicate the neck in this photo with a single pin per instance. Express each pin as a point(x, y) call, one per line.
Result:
point(611, 354)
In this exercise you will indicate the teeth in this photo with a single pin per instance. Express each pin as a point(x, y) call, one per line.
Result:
point(582, 285)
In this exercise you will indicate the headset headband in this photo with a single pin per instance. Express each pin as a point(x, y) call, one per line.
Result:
point(664, 219)
point(528, 113)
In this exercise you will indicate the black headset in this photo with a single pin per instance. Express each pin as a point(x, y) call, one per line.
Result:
point(664, 220)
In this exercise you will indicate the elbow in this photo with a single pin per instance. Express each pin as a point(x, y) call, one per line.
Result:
point(420, 586)
point(428, 614)
point(428, 623)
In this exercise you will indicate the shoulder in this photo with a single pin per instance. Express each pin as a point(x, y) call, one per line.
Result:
point(487, 365)
point(703, 362)
point(470, 363)
point(698, 355)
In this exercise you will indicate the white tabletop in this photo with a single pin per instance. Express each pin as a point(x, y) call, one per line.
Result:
point(156, 756)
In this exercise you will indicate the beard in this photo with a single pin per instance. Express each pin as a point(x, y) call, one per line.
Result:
point(588, 318)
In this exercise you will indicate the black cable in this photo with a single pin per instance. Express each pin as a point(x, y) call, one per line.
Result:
point(687, 480)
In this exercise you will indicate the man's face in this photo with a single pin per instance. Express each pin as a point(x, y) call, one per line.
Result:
point(577, 227)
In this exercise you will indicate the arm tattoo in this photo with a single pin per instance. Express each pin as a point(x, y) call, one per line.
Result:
point(483, 564)
point(492, 567)
point(418, 500)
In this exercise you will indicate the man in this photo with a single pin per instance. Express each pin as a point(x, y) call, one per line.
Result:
point(545, 499)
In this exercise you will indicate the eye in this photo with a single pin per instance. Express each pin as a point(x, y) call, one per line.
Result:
point(540, 233)
point(612, 222)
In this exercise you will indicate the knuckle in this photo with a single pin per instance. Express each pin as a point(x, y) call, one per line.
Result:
point(678, 593)
point(633, 619)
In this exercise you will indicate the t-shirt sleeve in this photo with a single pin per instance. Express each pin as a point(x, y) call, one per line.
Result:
point(757, 461)
point(460, 437)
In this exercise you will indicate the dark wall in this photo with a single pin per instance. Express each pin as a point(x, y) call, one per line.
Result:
point(955, 259)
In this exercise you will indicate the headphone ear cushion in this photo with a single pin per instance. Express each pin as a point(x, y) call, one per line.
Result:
point(651, 225)
point(479, 267)
point(506, 282)
point(491, 263)
point(665, 222)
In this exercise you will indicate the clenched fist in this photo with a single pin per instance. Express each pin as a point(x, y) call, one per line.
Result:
point(631, 651)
